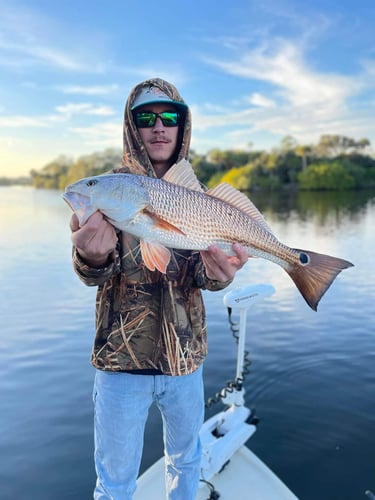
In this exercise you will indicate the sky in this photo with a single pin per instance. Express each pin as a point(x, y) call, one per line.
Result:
point(252, 71)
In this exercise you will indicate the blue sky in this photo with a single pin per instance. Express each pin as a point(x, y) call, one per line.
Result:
point(252, 72)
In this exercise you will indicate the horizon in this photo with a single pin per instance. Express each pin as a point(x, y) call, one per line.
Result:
point(251, 72)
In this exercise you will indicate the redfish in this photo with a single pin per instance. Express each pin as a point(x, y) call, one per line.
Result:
point(176, 212)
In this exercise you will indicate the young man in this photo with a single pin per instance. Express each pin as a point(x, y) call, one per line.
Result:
point(150, 327)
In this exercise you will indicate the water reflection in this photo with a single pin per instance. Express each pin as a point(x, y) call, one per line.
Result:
point(308, 204)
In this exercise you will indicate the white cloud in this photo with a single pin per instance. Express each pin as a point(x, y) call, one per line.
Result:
point(286, 70)
point(85, 109)
point(30, 38)
point(19, 121)
point(100, 135)
point(26, 53)
point(55, 57)
point(64, 113)
point(260, 100)
point(298, 99)
point(90, 89)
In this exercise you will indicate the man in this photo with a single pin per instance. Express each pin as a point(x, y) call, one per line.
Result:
point(150, 327)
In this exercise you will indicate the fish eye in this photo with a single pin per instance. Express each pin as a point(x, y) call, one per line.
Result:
point(91, 182)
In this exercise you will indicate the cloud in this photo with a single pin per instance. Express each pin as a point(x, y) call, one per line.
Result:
point(286, 70)
point(100, 135)
point(19, 121)
point(30, 38)
point(90, 89)
point(260, 100)
point(85, 109)
point(296, 98)
point(28, 53)
point(64, 114)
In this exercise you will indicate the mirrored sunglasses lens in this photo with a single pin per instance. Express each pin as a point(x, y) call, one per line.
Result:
point(145, 119)
point(169, 118)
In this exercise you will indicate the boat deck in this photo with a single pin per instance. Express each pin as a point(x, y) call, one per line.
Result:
point(245, 477)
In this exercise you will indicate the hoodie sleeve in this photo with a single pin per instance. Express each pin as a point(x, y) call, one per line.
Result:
point(207, 284)
point(93, 276)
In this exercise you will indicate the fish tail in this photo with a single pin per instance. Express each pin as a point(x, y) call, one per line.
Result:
point(314, 274)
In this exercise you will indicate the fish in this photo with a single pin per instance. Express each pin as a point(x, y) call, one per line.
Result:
point(176, 212)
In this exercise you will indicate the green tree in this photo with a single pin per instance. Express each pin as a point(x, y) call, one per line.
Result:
point(92, 164)
point(230, 158)
point(287, 143)
point(326, 176)
point(49, 176)
point(303, 152)
point(332, 146)
point(240, 178)
point(204, 169)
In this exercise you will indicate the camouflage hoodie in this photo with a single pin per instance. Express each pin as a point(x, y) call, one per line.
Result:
point(146, 320)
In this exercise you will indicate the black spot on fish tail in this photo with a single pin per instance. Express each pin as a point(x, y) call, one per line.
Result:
point(315, 274)
point(303, 258)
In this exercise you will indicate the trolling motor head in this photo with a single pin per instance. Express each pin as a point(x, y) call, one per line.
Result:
point(245, 297)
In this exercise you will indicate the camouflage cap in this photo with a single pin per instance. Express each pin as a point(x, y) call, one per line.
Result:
point(152, 94)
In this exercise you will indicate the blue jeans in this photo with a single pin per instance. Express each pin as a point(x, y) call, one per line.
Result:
point(122, 401)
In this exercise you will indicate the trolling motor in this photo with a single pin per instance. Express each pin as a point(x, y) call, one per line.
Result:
point(224, 433)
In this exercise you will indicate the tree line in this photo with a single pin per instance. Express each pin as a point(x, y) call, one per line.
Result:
point(335, 163)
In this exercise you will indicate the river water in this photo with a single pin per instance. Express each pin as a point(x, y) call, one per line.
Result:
point(312, 377)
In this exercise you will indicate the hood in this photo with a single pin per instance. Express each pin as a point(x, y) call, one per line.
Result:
point(135, 158)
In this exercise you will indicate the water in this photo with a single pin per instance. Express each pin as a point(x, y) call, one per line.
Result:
point(312, 375)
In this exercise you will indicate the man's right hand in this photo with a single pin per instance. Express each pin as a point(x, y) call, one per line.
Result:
point(95, 240)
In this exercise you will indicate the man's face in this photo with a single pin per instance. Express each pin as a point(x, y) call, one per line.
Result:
point(160, 141)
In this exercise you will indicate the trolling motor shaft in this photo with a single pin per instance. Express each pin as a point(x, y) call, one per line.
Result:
point(224, 433)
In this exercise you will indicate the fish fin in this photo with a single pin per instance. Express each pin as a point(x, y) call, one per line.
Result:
point(155, 256)
point(315, 277)
point(161, 223)
point(182, 174)
point(231, 195)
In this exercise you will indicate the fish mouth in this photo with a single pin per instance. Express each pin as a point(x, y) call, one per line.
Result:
point(80, 204)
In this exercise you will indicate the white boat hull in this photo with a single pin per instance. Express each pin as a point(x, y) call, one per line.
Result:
point(245, 477)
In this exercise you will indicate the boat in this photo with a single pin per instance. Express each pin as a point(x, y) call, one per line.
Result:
point(229, 469)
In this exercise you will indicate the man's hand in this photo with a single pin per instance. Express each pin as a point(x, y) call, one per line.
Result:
point(220, 266)
point(95, 240)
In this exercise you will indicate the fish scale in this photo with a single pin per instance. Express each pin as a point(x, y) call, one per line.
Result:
point(172, 203)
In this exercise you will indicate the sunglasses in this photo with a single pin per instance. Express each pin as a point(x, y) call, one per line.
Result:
point(145, 119)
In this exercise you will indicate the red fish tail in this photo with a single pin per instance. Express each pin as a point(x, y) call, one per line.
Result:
point(314, 275)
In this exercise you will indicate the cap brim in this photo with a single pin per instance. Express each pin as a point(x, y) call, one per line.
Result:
point(152, 97)
point(179, 105)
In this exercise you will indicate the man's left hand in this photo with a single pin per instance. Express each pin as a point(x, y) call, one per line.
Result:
point(220, 266)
